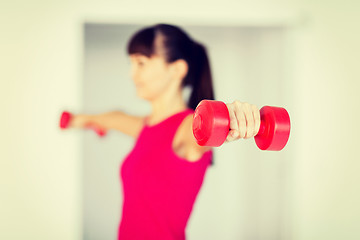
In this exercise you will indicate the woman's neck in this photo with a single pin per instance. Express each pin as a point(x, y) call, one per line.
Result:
point(166, 106)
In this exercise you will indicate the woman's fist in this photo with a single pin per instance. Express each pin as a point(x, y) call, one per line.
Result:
point(244, 120)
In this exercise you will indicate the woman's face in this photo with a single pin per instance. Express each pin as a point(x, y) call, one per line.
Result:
point(150, 75)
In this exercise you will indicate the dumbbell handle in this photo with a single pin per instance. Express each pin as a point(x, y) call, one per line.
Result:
point(262, 128)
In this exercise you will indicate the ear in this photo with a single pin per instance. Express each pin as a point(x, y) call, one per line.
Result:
point(180, 68)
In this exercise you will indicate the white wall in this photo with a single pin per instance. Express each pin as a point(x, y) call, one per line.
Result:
point(40, 59)
point(326, 190)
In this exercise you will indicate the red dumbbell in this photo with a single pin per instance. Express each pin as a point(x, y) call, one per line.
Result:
point(211, 125)
point(66, 118)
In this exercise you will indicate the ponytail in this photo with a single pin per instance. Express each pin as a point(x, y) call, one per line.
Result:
point(199, 76)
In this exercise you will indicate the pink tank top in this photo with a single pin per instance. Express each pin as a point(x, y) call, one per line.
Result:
point(159, 187)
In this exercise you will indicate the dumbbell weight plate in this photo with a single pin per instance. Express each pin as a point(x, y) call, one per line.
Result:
point(65, 119)
point(274, 130)
point(211, 123)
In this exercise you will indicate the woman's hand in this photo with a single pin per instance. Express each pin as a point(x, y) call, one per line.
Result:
point(244, 120)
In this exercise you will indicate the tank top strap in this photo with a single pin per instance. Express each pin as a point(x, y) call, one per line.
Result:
point(176, 121)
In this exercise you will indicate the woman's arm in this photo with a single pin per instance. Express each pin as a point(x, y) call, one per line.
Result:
point(116, 120)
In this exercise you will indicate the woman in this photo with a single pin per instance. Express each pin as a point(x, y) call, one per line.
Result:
point(164, 172)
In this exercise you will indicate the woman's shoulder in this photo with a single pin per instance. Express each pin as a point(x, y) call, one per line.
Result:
point(184, 142)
